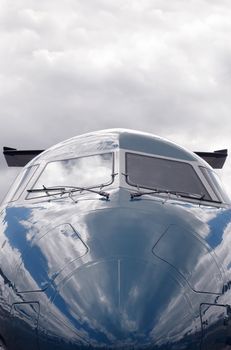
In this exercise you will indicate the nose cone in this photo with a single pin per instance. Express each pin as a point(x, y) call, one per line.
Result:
point(126, 304)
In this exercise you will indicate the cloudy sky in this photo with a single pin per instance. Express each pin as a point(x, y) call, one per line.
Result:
point(73, 66)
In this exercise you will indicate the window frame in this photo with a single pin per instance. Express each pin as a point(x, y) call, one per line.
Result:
point(37, 196)
point(20, 188)
point(220, 194)
point(194, 164)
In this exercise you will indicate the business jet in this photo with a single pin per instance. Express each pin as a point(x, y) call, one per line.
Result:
point(115, 239)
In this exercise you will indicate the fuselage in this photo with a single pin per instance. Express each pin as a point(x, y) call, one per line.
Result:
point(121, 242)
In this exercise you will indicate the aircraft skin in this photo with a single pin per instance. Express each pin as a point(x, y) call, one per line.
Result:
point(113, 268)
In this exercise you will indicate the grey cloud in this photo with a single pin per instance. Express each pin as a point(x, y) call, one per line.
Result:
point(77, 66)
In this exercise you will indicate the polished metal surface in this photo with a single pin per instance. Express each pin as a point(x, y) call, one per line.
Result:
point(79, 270)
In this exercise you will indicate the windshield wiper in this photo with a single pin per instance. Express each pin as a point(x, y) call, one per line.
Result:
point(176, 193)
point(67, 190)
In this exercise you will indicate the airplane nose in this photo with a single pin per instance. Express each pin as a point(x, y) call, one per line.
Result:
point(125, 304)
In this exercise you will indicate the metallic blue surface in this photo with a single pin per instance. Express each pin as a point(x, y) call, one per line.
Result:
point(152, 272)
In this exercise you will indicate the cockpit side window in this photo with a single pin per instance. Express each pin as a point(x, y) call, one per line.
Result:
point(85, 172)
point(20, 184)
point(216, 184)
point(158, 173)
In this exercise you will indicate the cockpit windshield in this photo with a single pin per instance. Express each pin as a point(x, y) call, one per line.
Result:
point(86, 172)
point(158, 173)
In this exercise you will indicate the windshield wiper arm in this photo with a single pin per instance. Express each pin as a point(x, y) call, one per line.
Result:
point(47, 190)
point(68, 190)
point(88, 189)
point(176, 193)
point(44, 189)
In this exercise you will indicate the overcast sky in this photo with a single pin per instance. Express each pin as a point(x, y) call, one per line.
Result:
point(74, 66)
